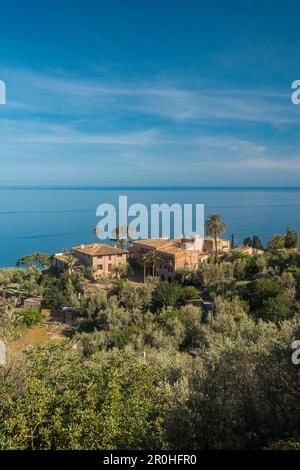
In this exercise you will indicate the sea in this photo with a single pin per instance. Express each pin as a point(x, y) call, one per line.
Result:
point(52, 219)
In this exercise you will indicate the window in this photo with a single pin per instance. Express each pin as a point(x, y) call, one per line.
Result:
point(100, 266)
point(109, 268)
point(109, 257)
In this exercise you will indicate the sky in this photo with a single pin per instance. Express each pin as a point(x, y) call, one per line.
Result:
point(160, 92)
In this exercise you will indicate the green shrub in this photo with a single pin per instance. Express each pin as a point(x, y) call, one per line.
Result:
point(191, 293)
point(167, 294)
point(30, 317)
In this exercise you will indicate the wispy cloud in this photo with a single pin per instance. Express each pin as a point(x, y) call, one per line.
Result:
point(62, 94)
point(229, 144)
point(265, 163)
point(145, 128)
point(29, 131)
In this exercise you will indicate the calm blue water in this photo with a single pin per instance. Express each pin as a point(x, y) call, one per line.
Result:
point(51, 220)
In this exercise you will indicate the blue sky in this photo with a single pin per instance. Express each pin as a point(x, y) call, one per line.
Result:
point(149, 92)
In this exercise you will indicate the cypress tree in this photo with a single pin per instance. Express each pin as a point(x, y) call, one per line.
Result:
point(232, 243)
point(257, 243)
point(291, 238)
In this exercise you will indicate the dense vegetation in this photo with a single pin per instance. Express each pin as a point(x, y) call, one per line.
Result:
point(149, 367)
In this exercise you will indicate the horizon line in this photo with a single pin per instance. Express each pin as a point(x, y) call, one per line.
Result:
point(145, 187)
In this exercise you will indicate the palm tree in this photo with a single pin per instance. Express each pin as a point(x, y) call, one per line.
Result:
point(122, 235)
point(214, 227)
point(121, 271)
point(117, 235)
point(277, 242)
point(150, 258)
point(154, 258)
point(146, 261)
point(71, 263)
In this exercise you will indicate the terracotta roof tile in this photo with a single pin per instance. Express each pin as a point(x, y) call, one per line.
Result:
point(99, 249)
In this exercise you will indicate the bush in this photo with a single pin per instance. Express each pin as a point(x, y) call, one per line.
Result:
point(191, 293)
point(167, 294)
point(268, 300)
point(30, 317)
point(72, 403)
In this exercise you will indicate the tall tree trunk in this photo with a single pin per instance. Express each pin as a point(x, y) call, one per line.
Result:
point(153, 269)
point(216, 249)
point(144, 272)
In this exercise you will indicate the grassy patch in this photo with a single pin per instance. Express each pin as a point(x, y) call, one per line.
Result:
point(38, 335)
point(242, 283)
